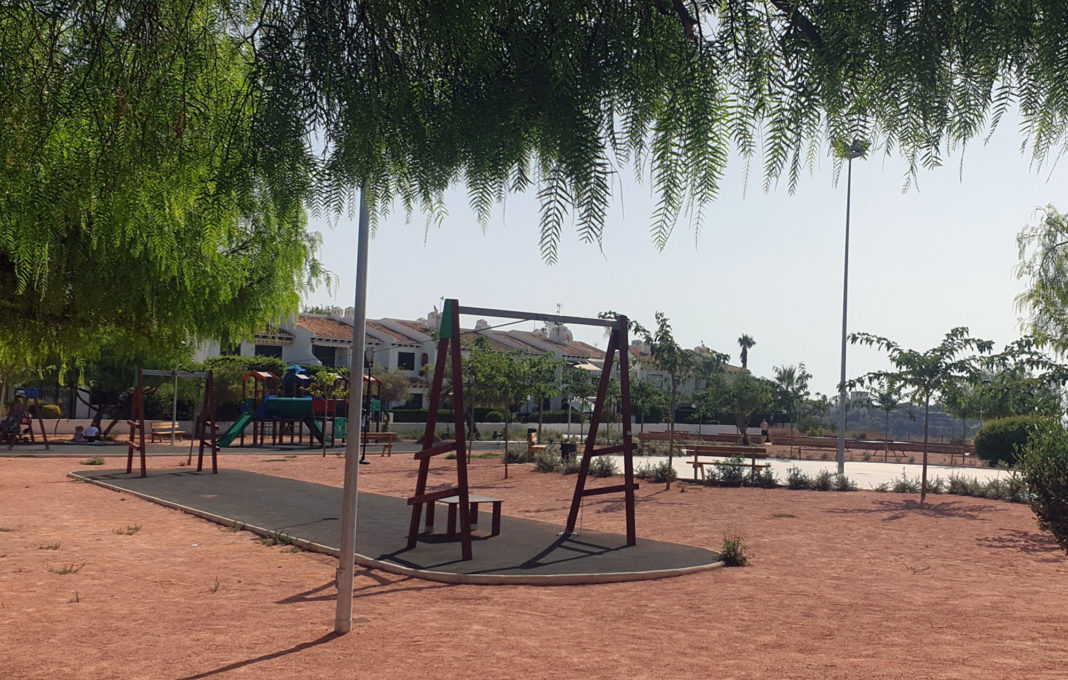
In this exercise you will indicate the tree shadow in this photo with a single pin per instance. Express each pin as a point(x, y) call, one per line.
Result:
point(1035, 543)
point(264, 657)
point(899, 509)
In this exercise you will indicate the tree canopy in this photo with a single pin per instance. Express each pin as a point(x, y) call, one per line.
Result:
point(156, 152)
point(554, 95)
point(136, 209)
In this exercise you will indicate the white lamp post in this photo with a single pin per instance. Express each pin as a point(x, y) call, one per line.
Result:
point(856, 149)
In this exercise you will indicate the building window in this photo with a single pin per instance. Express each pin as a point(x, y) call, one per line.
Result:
point(406, 361)
point(327, 355)
point(269, 351)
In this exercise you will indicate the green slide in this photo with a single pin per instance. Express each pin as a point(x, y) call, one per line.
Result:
point(314, 428)
point(235, 429)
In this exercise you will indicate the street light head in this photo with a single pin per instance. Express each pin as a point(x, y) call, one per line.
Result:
point(856, 149)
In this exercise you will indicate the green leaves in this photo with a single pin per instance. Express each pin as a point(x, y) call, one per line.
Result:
point(136, 208)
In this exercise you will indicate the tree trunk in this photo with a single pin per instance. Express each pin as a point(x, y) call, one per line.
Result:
point(671, 436)
point(886, 438)
point(923, 480)
point(506, 421)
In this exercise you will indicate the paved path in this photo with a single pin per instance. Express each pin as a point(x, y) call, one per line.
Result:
point(526, 551)
point(867, 475)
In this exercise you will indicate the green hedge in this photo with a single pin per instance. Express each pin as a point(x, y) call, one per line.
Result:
point(998, 441)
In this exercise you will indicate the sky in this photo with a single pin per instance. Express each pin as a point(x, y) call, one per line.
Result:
point(939, 255)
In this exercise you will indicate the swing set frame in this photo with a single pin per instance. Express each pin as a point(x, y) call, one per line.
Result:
point(449, 353)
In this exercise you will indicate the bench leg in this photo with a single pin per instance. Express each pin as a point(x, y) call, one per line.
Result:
point(430, 515)
point(473, 515)
point(496, 519)
point(452, 519)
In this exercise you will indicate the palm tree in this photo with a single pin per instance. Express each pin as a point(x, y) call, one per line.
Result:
point(745, 342)
point(793, 388)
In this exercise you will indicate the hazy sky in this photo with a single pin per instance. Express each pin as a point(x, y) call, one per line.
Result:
point(768, 264)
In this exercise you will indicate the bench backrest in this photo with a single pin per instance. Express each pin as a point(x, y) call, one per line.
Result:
point(727, 451)
point(380, 436)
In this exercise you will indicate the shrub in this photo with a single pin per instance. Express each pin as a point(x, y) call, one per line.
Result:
point(571, 465)
point(50, 411)
point(1016, 489)
point(936, 485)
point(518, 454)
point(905, 485)
point(999, 440)
point(729, 473)
point(1045, 467)
point(843, 483)
point(796, 479)
point(663, 473)
point(962, 486)
point(763, 478)
point(734, 552)
point(547, 462)
point(823, 481)
point(602, 466)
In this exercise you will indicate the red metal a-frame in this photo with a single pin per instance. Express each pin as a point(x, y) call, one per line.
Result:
point(207, 430)
point(449, 350)
point(21, 404)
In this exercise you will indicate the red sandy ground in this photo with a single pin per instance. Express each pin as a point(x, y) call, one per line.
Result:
point(841, 585)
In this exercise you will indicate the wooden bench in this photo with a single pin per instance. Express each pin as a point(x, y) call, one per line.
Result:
point(472, 501)
point(165, 429)
point(383, 439)
point(753, 453)
point(533, 447)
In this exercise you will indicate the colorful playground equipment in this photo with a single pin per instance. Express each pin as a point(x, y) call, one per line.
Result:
point(285, 416)
point(17, 427)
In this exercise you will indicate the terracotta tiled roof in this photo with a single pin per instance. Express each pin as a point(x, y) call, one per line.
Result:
point(325, 328)
point(379, 329)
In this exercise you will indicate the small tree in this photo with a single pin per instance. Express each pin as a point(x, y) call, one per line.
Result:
point(578, 384)
point(748, 397)
point(540, 373)
point(886, 398)
point(792, 385)
point(647, 399)
point(677, 362)
point(395, 385)
point(925, 375)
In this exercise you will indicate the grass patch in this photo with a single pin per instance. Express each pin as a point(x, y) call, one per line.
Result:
point(67, 569)
point(6, 530)
point(783, 515)
point(277, 538)
point(128, 531)
point(93, 461)
point(75, 599)
point(48, 546)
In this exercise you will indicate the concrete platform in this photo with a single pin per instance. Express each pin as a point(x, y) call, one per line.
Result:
point(526, 552)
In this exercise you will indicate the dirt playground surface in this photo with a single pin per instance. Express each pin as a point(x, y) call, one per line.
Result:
point(99, 584)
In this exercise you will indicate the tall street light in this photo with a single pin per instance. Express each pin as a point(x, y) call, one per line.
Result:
point(855, 149)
